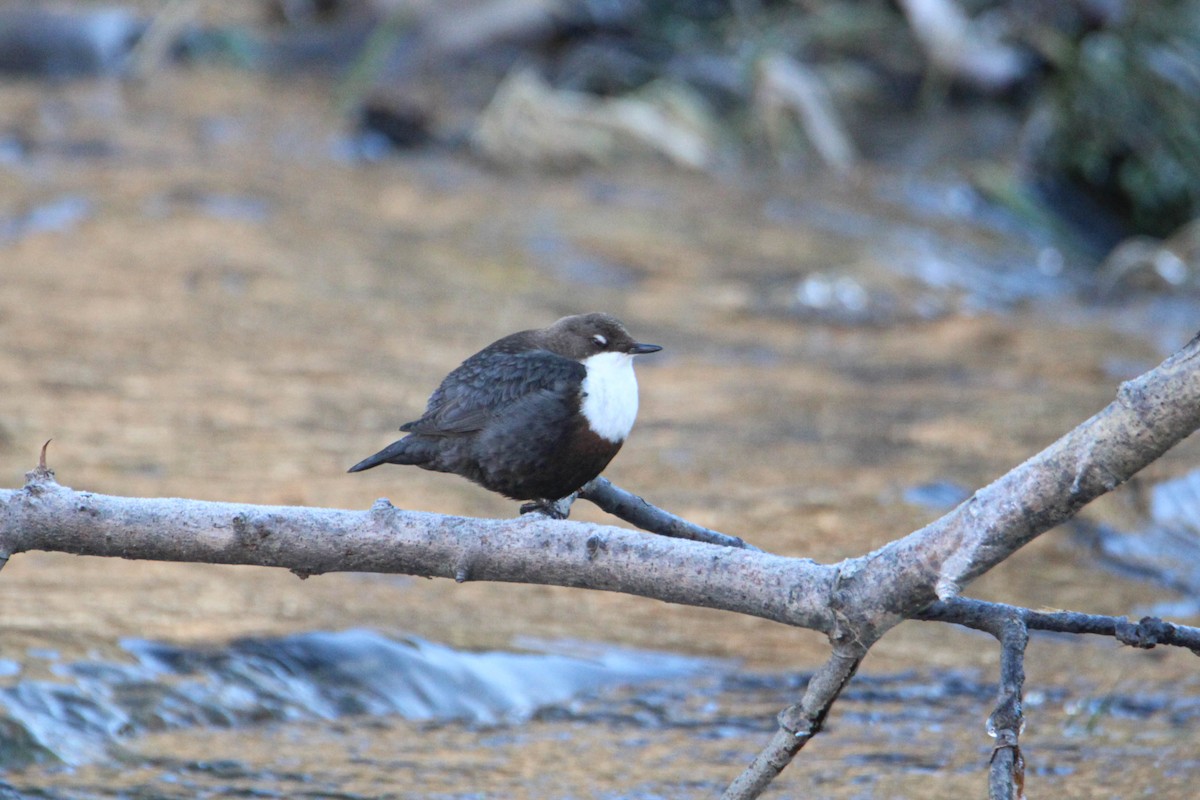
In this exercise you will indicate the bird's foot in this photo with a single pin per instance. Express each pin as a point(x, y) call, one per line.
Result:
point(554, 509)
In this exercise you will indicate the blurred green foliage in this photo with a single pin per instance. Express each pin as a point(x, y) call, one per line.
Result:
point(1125, 114)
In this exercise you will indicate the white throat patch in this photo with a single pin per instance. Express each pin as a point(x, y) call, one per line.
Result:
point(610, 400)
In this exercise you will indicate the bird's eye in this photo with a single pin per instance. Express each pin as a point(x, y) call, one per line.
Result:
point(600, 340)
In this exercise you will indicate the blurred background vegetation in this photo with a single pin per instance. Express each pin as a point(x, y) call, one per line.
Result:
point(1107, 91)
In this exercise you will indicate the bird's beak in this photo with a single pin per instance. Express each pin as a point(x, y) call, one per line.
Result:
point(640, 349)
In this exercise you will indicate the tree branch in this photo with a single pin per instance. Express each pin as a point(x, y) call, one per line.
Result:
point(1006, 777)
point(797, 725)
point(1010, 625)
point(309, 541)
point(984, 616)
point(1151, 414)
point(636, 511)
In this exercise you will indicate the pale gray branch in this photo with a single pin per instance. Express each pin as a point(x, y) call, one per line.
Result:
point(309, 541)
point(1152, 413)
point(636, 511)
point(797, 725)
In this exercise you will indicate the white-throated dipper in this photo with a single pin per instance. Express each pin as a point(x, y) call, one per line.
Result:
point(533, 416)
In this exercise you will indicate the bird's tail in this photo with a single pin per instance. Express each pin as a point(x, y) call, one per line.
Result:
point(398, 452)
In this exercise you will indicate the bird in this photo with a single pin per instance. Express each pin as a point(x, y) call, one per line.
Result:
point(533, 416)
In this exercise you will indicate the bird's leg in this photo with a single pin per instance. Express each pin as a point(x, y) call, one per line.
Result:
point(554, 509)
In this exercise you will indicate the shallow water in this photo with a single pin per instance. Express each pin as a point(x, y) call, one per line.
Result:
point(356, 715)
point(89, 708)
point(205, 298)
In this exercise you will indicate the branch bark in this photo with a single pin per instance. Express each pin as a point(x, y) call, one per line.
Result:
point(309, 541)
point(1151, 414)
point(1145, 634)
point(797, 725)
point(1006, 777)
point(636, 511)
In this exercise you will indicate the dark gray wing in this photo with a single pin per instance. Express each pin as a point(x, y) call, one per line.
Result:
point(489, 382)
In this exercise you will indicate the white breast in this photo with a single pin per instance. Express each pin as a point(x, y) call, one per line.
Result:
point(610, 400)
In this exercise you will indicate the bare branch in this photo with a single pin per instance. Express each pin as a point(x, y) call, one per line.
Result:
point(797, 725)
point(1144, 634)
point(310, 541)
point(1006, 778)
point(1151, 414)
point(636, 511)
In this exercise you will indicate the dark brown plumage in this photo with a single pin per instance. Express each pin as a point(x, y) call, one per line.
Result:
point(534, 415)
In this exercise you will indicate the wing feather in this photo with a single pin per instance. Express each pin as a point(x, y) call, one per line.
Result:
point(489, 382)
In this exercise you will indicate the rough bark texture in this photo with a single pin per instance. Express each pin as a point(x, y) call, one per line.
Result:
point(631, 508)
point(310, 541)
point(1152, 413)
point(1006, 778)
point(797, 725)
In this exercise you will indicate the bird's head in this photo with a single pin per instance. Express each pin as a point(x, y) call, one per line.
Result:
point(584, 335)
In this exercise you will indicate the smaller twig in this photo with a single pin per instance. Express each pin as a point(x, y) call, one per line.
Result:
point(1011, 626)
point(797, 725)
point(1145, 634)
point(1006, 777)
point(35, 483)
point(636, 511)
point(41, 473)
